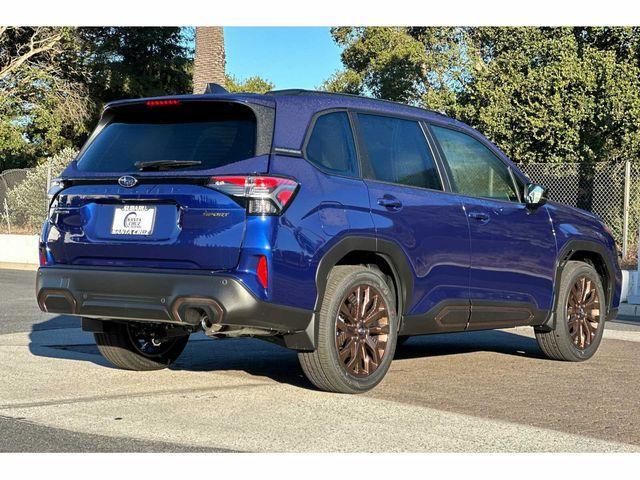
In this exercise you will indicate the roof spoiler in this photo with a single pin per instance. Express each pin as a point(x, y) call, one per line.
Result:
point(215, 88)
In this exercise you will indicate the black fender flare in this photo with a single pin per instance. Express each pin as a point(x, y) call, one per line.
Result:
point(568, 249)
point(390, 251)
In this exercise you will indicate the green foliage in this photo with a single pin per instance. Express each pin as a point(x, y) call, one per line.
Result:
point(43, 105)
point(250, 85)
point(541, 94)
point(130, 62)
point(27, 200)
point(54, 81)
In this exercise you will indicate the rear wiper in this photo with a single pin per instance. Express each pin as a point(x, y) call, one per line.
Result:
point(162, 164)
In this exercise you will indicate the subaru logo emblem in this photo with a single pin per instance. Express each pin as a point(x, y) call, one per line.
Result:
point(127, 181)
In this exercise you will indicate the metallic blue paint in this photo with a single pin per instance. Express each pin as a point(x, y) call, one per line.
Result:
point(511, 256)
point(432, 230)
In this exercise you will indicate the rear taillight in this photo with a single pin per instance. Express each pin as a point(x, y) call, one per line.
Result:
point(264, 195)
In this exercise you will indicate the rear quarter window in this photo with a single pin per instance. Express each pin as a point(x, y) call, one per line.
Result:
point(331, 146)
point(210, 133)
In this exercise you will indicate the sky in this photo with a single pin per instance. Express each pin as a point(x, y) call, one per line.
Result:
point(289, 57)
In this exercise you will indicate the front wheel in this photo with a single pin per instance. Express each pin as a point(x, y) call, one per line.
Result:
point(357, 332)
point(139, 346)
point(579, 316)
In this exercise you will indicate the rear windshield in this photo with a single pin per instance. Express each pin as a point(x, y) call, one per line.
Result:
point(214, 134)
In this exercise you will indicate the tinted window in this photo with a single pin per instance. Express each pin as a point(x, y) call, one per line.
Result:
point(475, 169)
point(331, 144)
point(398, 152)
point(214, 135)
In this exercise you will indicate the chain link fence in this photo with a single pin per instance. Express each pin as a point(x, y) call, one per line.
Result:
point(9, 179)
point(23, 193)
point(608, 189)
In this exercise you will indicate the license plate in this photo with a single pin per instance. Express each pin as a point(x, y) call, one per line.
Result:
point(133, 220)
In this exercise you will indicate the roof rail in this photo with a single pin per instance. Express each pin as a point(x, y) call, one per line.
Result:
point(215, 88)
point(302, 91)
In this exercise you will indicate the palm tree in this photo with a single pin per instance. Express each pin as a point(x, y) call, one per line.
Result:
point(209, 65)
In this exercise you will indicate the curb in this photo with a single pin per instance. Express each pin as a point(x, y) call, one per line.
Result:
point(18, 266)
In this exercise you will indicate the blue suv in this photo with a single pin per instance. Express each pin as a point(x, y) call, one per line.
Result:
point(334, 225)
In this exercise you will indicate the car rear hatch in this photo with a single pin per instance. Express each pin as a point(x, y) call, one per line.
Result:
point(139, 194)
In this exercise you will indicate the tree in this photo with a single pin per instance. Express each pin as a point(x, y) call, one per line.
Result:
point(566, 94)
point(251, 85)
point(43, 106)
point(130, 62)
point(54, 81)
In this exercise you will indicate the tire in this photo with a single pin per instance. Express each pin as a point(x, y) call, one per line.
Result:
point(580, 340)
point(375, 337)
point(120, 346)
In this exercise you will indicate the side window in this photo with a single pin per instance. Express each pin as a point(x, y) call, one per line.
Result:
point(331, 145)
point(475, 169)
point(397, 151)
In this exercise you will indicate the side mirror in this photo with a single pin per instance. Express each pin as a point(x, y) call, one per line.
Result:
point(535, 195)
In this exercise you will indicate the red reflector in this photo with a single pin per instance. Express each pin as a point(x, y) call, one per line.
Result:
point(162, 103)
point(262, 272)
point(43, 257)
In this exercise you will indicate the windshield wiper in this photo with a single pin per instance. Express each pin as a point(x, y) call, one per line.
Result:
point(166, 164)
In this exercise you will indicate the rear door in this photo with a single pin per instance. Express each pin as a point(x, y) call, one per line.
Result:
point(411, 209)
point(513, 248)
point(129, 204)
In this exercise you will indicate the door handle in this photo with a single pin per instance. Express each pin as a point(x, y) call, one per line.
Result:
point(392, 203)
point(481, 217)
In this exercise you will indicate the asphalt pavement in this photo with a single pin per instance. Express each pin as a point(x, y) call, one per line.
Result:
point(473, 392)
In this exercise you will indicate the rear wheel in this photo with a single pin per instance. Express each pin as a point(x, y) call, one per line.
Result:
point(137, 346)
point(579, 317)
point(357, 332)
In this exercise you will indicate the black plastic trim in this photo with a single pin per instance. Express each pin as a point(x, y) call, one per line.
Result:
point(393, 254)
point(461, 315)
point(571, 247)
point(445, 316)
point(152, 296)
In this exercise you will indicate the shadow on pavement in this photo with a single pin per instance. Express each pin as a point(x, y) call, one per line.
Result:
point(498, 341)
point(60, 337)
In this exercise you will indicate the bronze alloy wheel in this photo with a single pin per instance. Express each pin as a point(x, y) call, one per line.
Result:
point(362, 330)
point(583, 312)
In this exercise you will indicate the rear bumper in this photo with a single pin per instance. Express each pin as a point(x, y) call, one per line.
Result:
point(160, 296)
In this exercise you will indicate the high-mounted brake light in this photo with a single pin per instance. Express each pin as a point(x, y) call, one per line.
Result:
point(162, 103)
point(265, 195)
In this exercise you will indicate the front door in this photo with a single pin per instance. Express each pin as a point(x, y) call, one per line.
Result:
point(513, 248)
